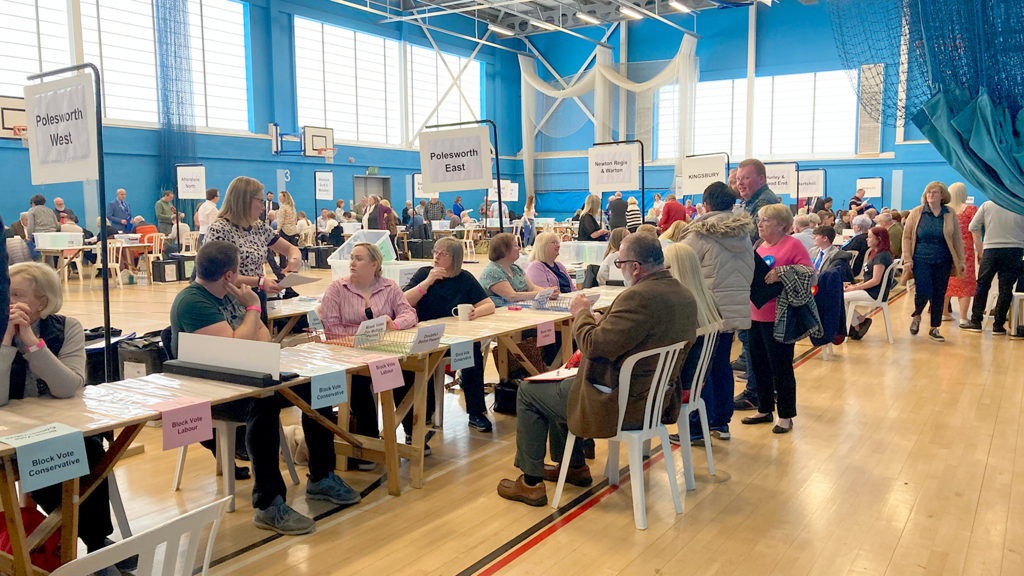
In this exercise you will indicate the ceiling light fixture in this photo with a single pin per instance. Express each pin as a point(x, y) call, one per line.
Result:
point(588, 18)
point(543, 25)
point(500, 30)
point(630, 12)
point(680, 7)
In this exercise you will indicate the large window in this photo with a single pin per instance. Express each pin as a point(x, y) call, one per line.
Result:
point(798, 115)
point(219, 79)
point(33, 38)
point(118, 37)
point(429, 79)
point(348, 81)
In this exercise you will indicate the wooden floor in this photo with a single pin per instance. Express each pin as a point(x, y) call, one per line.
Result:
point(902, 461)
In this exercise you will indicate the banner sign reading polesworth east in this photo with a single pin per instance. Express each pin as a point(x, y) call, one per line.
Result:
point(453, 160)
point(61, 118)
point(699, 172)
point(782, 178)
point(614, 168)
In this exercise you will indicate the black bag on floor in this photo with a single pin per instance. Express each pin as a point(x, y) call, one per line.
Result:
point(143, 355)
point(505, 393)
point(421, 249)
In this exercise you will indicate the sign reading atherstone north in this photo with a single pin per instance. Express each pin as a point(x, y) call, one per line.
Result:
point(62, 130)
point(782, 178)
point(509, 191)
point(614, 168)
point(453, 160)
point(324, 184)
point(698, 173)
point(191, 181)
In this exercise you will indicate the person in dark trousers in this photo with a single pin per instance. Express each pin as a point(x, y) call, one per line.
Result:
point(617, 212)
point(1002, 251)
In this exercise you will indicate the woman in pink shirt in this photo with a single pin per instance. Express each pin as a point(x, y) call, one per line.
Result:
point(351, 300)
point(773, 360)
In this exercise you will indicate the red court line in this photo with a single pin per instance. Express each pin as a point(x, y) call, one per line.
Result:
point(817, 350)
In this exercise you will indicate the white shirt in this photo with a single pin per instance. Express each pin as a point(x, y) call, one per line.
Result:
point(494, 210)
point(657, 207)
point(302, 225)
point(206, 214)
point(184, 230)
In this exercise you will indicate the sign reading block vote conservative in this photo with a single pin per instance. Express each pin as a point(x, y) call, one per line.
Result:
point(49, 455)
point(61, 117)
point(614, 168)
point(454, 160)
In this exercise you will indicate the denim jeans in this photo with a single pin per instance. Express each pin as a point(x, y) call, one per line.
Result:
point(718, 386)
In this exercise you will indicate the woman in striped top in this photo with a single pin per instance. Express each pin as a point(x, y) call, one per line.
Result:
point(633, 216)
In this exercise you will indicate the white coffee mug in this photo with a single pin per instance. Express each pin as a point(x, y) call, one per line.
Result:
point(462, 311)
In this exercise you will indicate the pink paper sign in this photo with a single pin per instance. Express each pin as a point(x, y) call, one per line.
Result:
point(185, 421)
point(546, 333)
point(385, 372)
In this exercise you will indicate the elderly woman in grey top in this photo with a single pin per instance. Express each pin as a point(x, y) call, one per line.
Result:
point(40, 218)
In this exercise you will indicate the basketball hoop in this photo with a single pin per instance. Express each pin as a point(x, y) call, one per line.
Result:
point(22, 132)
point(327, 153)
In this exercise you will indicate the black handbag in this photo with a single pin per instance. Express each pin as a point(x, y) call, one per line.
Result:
point(762, 293)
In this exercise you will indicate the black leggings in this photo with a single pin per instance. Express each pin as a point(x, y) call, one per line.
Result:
point(94, 524)
point(773, 370)
point(930, 283)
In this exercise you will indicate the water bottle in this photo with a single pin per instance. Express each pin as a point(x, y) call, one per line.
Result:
point(143, 276)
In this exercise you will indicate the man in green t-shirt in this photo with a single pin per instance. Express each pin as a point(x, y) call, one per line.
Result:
point(215, 306)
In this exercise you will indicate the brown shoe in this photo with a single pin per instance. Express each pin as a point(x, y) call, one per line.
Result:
point(575, 476)
point(518, 490)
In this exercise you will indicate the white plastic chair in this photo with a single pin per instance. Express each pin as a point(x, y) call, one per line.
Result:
point(115, 249)
point(226, 458)
point(167, 536)
point(1015, 311)
point(879, 302)
point(190, 246)
point(667, 369)
point(696, 404)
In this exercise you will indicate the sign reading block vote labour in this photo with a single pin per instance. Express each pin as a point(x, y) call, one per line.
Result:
point(614, 168)
point(185, 421)
point(453, 160)
point(328, 386)
point(61, 118)
point(49, 455)
point(385, 372)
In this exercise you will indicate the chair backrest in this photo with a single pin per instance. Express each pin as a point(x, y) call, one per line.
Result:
point(883, 294)
point(307, 237)
point(710, 334)
point(667, 369)
point(167, 536)
point(155, 240)
point(115, 248)
point(165, 339)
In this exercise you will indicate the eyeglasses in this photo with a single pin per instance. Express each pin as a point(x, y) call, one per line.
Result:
point(440, 253)
point(764, 220)
point(619, 263)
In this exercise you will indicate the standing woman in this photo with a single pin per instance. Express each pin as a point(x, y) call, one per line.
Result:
point(773, 360)
point(287, 222)
point(529, 221)
point(590, 221)
point(239, 223)
point(633, 216)
point(962, 288)
point(457, 207)
point(933, 248)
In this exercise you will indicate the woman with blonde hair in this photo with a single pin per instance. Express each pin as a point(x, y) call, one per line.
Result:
point(963, 288)
point(614, 241)
point(286, 218)
point(544, 269)
point(933, 249)
point(239, 223)
point(674, 232)
point(590, 221)
point(529, 221)
point(633, 216)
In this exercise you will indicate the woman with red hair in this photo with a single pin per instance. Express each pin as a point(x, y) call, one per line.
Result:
point(876, 261)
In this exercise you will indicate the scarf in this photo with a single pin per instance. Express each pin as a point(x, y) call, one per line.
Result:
point(51, 331)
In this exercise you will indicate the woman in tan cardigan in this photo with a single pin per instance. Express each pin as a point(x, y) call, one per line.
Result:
point(932, 249)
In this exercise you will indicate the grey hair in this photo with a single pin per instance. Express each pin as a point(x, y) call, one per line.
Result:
point(644, 248)
point(802, 221)
point(862, 223)
point(885, 218)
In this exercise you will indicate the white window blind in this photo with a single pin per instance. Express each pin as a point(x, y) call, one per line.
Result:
point(794, 115)
point(668, 125)
point(219, 77)
point(347, 81)
point(33, 38)
point(427, 81)
point(118, 37)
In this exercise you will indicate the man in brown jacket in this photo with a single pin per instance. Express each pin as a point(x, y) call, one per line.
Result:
point(655, 311)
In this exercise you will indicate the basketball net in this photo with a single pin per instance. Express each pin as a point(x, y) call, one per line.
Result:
point(327, 153)
point(22, 132)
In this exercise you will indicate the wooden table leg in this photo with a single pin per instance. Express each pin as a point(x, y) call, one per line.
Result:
point(284, 331)
point(391, 461)
point(15, 526)
point(419, 425)
point(69, 521)
point(502, 359)
point(566, 341)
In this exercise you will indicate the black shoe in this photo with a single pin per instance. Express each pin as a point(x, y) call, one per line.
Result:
point(999, 331)
point(972, 326)
point(766, 419)
point(780, 430)
point(1018, 335)
point(738, 365)
point(935, 335)
point(130, 564)
point(589, 448)
point(241, 453)
point(915, 325)
point(242, 473)
point(481, 423)
point(862, 329)
point(426, 447)
point(743, 405)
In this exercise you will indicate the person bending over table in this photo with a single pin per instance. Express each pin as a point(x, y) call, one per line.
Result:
point(43, 355)
point(220, 304)
point(350, 301)
point(434, 291)
point(544, 270)
point(655, 311)
point(239, 223)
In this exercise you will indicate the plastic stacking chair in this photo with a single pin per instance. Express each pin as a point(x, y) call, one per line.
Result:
point(115, 250)
point(696, 404)
point(879, 302)
point(168, 537)
point(667, 369)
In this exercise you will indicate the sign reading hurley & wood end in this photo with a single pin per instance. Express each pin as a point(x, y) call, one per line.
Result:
point(614, 168)
point(61, 117)
point(456, 160)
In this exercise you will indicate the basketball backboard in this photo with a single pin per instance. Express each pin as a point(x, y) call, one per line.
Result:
point(315, 140)
point(12, 113)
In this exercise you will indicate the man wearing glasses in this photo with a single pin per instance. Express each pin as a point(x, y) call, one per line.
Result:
point(655, 311)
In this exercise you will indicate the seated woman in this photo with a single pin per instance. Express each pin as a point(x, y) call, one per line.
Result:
point(350, 301)
point(674, 232)
point(683, 264)
point(610, 255)
point(876, 261)
point(434, 290)
point(544, 270)
point(43, 355)
point(503, 280)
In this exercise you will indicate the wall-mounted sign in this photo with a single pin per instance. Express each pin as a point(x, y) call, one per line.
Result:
point(324, 184)
point(698, 173)
point(614, 168)
point(872, 187)
point(509, 191)
point(61, 118)
point(454, 160)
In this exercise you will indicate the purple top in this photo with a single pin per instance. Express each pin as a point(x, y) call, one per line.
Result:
point(542, 277)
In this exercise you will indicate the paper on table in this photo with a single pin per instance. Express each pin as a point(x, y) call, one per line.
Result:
point(385, 372)
point(371, 330)
point(462, 354)
point(328, 386)
point(293, 280)
point(545, 294)
point(554, 375)
point(260, 357)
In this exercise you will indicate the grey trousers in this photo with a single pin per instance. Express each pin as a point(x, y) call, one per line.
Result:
point(541, 409)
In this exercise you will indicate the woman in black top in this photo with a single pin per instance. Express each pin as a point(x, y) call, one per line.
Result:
point(590, 221)
point(876, 261)
point(434, 291)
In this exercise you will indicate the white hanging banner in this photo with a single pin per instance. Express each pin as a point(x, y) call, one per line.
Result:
point(614, 168)
point(872, 187)
point(509, 191)
point(699, 172)
point(454, 160)
point(418, 192)
point(812, 183)
point(782, 178)
point(191, 181)
point(324, 184)
point(61, 118)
